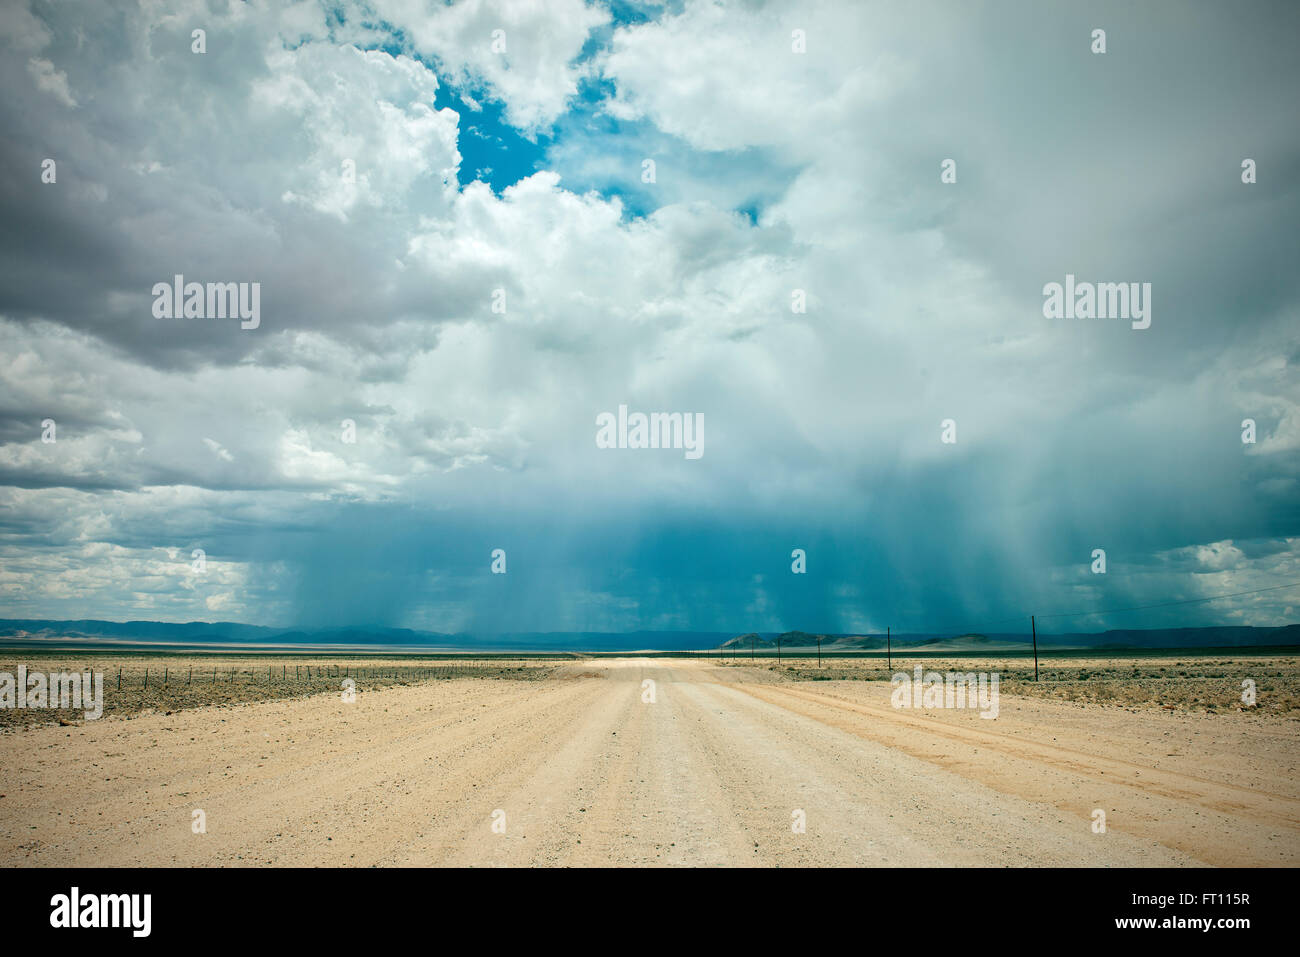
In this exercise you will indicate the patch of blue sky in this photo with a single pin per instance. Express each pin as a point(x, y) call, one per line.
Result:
point(592, 150)
point(492, 151)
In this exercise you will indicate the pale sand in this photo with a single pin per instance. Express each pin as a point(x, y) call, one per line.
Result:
point(588, 774)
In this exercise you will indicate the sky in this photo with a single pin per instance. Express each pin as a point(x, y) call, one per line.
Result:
point(460, 251)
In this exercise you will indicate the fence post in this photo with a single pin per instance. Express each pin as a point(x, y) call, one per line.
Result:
point(889, 655)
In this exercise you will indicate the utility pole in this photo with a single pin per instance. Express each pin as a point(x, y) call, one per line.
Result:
point(889, 657)
point(1034, 628)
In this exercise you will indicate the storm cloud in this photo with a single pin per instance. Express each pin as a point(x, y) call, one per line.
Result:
point(797, 270)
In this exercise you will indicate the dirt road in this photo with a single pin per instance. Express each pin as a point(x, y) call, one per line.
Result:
point(717, 770)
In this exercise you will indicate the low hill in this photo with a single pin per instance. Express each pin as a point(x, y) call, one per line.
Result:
point(751, 640)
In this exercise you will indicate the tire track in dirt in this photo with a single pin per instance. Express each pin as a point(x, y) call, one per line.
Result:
point(877, 806)
point(1286, 809)
point(666, 805)
point(542, 799)
point(1237, 825)
point(327, 781)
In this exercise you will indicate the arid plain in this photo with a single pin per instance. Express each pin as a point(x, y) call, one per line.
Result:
point(657, 761)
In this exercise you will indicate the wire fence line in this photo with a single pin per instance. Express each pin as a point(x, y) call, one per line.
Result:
point(190, 676)
point(911, 649)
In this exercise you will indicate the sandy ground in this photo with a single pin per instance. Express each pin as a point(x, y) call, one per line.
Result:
point(711, 773)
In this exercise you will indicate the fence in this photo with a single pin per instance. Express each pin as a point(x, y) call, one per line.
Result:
point(913, 650)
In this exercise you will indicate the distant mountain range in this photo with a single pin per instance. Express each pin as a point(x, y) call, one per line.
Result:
point(224, 633)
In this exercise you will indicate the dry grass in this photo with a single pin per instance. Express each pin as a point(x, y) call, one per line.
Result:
point(169, 683)
point(1182, 683)
point(176, 682)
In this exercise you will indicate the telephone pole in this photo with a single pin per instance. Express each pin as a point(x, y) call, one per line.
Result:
point(1034, 628)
